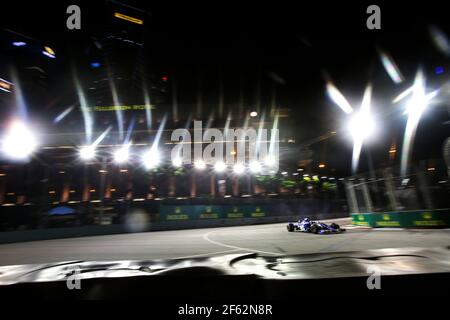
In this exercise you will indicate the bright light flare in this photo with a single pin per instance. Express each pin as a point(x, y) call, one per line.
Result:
point(409, 91)
point(5, 85)
point(19, 44)
point(418, 102)
point(403, 95)
point(390, 67)
point(63, 114)
point(255, 167)
point(122, 154)
point(415, 108)
point(199, 164)
point(151, 158)
point(415, 105)
point(19, 142)
point(338, 98)
point(87, 152)
point(361, 126)
point(45, 53)
point(177, 162)
point(87, 116)
point(220, 166)
point(270, 161)
point(238, 168)
point(440, 40)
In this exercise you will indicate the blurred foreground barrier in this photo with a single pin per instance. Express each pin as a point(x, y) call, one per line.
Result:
point(404, 219)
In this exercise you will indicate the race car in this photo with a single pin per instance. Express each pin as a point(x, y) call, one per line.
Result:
point(307, 225)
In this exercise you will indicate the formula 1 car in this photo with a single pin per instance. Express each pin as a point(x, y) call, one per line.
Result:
point(307, 225)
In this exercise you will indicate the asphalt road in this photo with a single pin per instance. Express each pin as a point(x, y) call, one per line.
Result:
point(269, 239)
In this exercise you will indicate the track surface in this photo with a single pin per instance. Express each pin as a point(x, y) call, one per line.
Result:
point(269, 239)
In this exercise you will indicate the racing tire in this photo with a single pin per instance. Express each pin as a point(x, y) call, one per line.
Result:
point(290, 227)
point(314, 229)
point(335, 226)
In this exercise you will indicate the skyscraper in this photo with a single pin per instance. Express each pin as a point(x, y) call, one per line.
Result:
point(116, 53)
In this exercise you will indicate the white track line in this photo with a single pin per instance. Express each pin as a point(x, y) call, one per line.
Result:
point(206, 238)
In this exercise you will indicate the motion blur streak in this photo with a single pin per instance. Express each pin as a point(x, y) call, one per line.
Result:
point(361, 126)
point(129, 131)
point(357, 146)
point(87, 117)
point(338, 98)
point(260, 131)
point(63, 114)
point(245, 127)
point(148, 111)
point(415, 107)
point(208, 124)
point(18, 95)
point(390, 67)
point(432, 94)
point(403, 95)
point(273, 138)
point(428, 97)
point(102, 136)
point(88, 152)
point(179, 156)
point(440, 40)
point(227, 125)
point(159, 133)
point(408, 91)
point(116, 102)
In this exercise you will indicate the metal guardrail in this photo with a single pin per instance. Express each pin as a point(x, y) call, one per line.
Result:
point(384, 191)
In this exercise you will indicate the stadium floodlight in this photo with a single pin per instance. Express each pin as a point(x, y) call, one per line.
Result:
point(19, 142)
point(238, 168)
point(253, 114)
point(414, 109)
point(199, 164)
point(255, 167)
point(361, 125)
point(220, 166)
point(151, 158)
point(122, 154)
point(270, 161)
point(177, 162)
point(87, 152)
